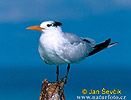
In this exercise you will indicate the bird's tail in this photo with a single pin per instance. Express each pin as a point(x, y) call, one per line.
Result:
point(102, 46)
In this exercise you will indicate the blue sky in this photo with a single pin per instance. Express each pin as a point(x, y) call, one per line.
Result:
point(86, 18)
point(23, 10)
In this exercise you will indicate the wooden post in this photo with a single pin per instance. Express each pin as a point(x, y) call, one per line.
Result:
point(53, 90)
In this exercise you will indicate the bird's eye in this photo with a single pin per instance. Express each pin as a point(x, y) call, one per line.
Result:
point(49, 25)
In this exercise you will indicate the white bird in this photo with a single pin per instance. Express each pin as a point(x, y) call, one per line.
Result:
point(58, 47)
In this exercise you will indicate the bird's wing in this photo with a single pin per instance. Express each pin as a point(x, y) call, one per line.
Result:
point(89, 41)
point(72, 38)
point(74, 49)
point(101, 46)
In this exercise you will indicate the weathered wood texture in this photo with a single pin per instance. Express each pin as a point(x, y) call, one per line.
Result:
point(52, 90)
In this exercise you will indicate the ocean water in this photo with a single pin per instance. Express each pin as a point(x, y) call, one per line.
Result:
point(24, 83)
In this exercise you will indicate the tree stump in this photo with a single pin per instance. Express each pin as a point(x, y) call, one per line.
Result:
point(53, 90)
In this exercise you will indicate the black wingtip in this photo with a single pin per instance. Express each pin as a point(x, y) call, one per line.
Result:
point(106, 43)
point(108, 40)
point(100, 46)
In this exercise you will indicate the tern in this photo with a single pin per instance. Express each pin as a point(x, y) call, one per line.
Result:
point(57, 47)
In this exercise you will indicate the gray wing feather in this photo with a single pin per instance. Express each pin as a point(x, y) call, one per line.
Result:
point(89, 40)
point(72, 38)
point(75, 49)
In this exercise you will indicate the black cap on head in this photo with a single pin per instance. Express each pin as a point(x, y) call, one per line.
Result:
point(57, 23)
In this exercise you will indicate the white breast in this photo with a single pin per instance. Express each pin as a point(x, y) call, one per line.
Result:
point(48, 45)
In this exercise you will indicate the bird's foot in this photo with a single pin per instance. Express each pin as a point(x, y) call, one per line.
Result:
point(64, 79)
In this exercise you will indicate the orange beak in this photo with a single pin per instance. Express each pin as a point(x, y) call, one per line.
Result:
point(35, 28)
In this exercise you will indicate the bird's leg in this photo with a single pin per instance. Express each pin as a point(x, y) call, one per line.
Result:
point(57, 72)
point(68, 68)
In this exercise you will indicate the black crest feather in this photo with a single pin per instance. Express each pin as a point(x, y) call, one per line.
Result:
point(57, 23)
